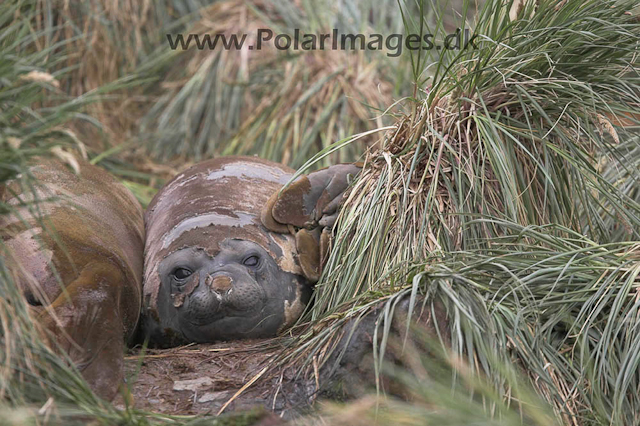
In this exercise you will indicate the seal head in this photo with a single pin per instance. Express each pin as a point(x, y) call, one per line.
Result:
point(212, 270)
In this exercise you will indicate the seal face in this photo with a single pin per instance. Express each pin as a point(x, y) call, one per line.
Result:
point(212, 270)
point(78, 255)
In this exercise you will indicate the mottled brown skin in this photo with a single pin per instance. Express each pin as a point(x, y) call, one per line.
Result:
point(212, 270)
point(90, 232)
point(308, 209)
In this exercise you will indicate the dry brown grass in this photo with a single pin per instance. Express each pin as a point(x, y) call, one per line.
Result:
point(281, 105)
point(101, 41)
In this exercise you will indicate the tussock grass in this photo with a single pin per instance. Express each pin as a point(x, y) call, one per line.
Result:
point(514, 175)
point(508, 132)
point(95, 50)
point(280, 105)
point(562, 311)
point(435, 382)
point(192, 105)
point(100, 42)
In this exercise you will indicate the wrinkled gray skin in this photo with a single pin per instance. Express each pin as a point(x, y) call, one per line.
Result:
point(212, 270)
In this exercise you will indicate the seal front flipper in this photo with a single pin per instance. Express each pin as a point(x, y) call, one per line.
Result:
point(82, 322)
point(308, 209)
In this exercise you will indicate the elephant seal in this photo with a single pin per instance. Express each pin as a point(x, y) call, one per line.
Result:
point(212, 271)
point(77, 257)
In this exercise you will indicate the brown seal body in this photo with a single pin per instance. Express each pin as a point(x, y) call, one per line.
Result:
point(78, 260)
point(212, 270)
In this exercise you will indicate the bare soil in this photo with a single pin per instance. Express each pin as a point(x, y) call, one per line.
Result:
point(214, 378)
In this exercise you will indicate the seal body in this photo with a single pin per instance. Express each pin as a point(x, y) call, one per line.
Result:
point(212, 270)
point(75, 244)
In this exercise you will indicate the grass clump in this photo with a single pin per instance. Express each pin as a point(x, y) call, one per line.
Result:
point(510, 177)
point(511, 131)
point(280, 105)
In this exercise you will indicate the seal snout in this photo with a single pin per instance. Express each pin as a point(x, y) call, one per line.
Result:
point(219, 283)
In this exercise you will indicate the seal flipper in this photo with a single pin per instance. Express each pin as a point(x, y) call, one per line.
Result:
point(308, 208)
point(86, 321)
point(306, 201)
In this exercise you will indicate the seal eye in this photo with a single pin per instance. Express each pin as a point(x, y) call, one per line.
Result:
point(181, 273)
point(251, 261)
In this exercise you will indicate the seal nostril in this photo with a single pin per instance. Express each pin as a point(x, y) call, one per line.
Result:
point(32, 299)
point(219, 283)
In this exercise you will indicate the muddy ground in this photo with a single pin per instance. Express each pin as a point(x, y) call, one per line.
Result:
point(242, 375)
point(207, 378)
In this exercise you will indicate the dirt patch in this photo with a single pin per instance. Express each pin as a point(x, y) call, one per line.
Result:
point(206, 379)
point(241, 375)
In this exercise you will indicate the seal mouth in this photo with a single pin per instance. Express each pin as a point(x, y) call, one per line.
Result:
point(225, 313)
point(220, 304)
